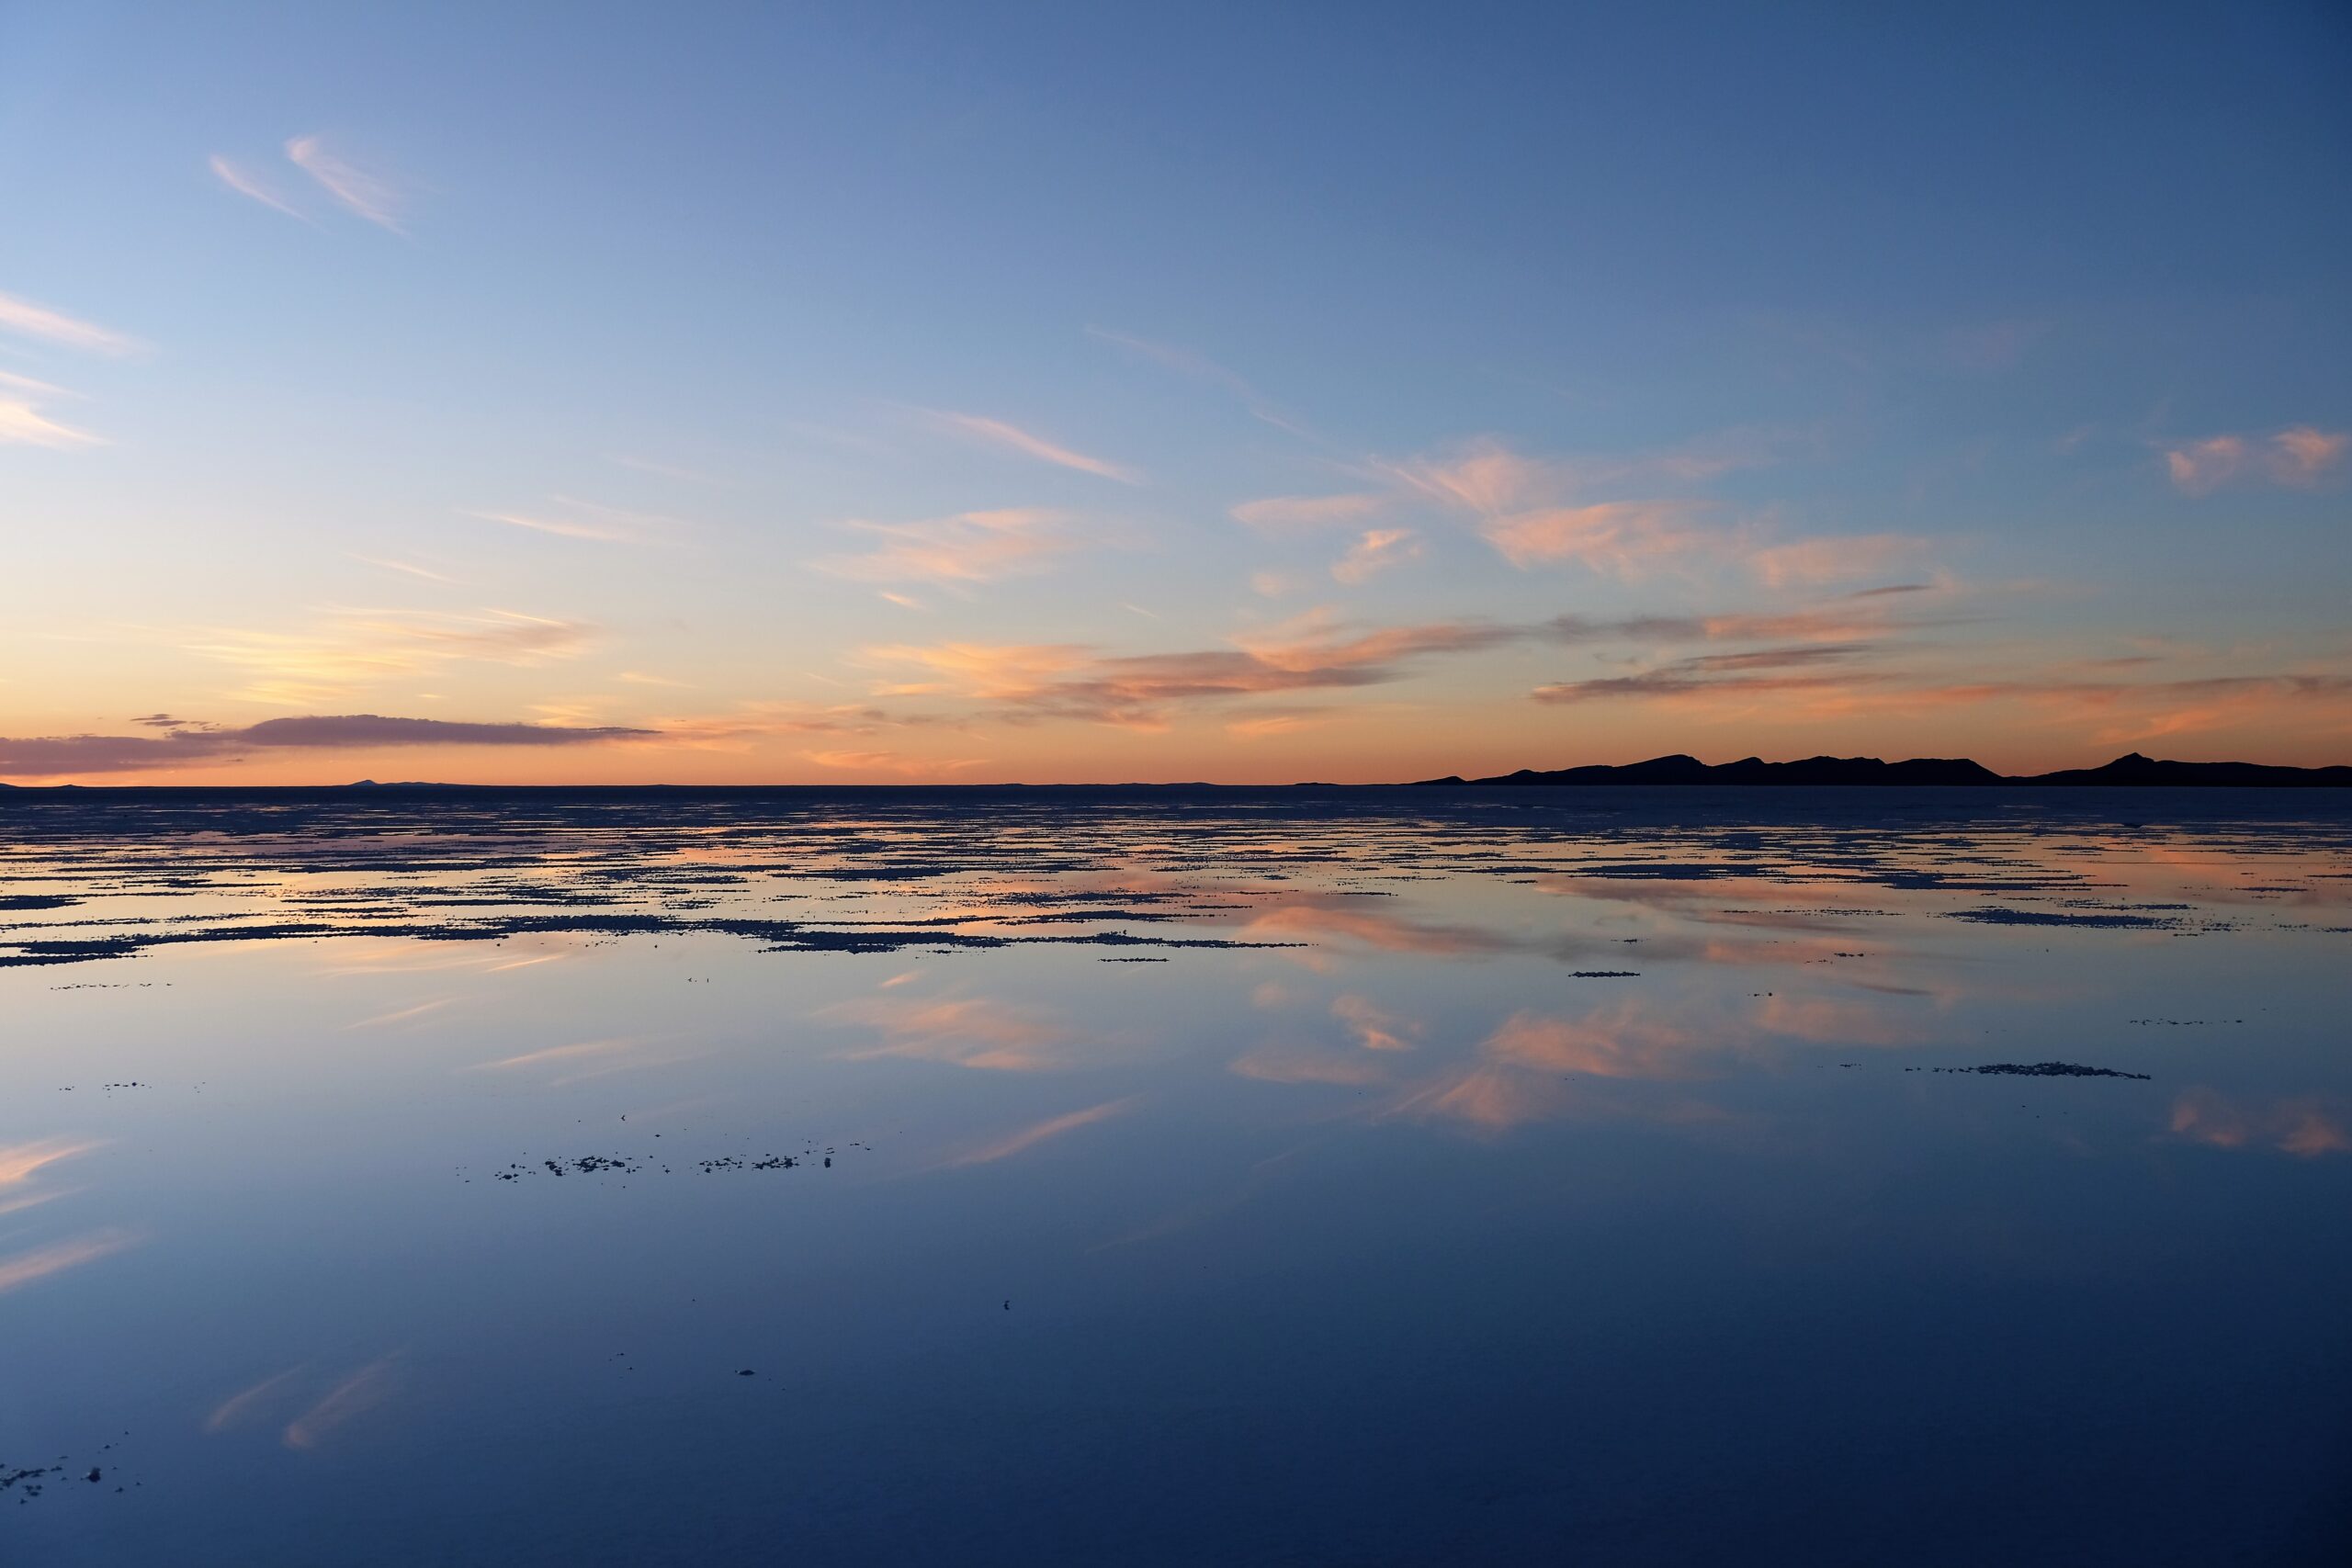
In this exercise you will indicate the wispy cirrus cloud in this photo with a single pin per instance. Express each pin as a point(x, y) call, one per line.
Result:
point(899, 763)
point(967, 1031)
point(353, 649)
point(1263, 725)
point(562, 527)
point(409, 568)
point(568, 517)
point(565, 1058)
point(1053, 1127)
point(1293, 1064)
point(378, 197)
point(21, 1162)
point(756, 722)
point(968, 548)
point(1014, 438)
point(665, 470)
point(1787, 669)
point(247, 1402)
point(24, 402)
point(1278, 512)
point(252, 186)
point(25, 319)
point(354, 1396)
point(1809, 563)
point(22, 424)
point(1488, 476)
point(22, 1268)
point(67, 756)
point(1201, 368)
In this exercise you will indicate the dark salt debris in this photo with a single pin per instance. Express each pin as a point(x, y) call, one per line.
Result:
point(2044, 1070)
point(1995, 915)
point(29, 1482)
point(634, 1165)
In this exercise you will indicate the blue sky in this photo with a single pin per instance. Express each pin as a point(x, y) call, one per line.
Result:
point(777, 393)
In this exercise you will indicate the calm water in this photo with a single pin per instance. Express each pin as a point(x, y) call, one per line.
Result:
point(1178, 1178)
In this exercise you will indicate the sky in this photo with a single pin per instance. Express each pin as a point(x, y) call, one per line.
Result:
point(881, 393)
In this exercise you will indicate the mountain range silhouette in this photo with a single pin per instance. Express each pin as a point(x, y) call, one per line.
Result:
point(2132, 770)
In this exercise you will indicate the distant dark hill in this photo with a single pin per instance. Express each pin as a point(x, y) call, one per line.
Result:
point(2126, 771)
point(2135, 769)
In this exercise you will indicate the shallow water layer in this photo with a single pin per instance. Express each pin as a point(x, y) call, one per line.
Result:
point(1175, 1176)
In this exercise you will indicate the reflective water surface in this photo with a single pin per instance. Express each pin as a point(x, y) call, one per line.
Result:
point(1176, 1176)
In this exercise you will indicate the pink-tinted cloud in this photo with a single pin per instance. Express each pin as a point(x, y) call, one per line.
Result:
point(1624, 537)
point(1375, 551)
point(2197, 465)
point(1486, 477)
point(2297, 456)
point(2302, 454)
point(1532, 510)
point(2305, 1127)
point(1375, 1028)
point(1623, 1041)
point(1065, 680)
